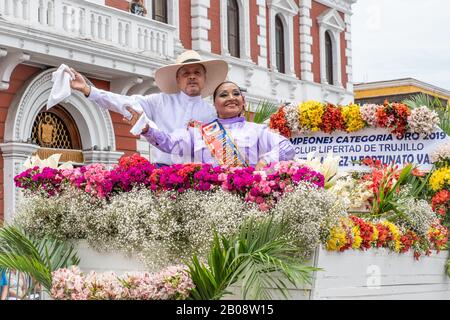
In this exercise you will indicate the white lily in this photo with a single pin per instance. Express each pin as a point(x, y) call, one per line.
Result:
point(329, 168)
point(50, 162)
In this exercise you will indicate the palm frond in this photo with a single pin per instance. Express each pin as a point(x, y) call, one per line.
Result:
point(258, 257)
point(263, 112)
point(37, 258)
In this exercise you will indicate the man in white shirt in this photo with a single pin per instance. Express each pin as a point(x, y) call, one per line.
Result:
point(182, 85)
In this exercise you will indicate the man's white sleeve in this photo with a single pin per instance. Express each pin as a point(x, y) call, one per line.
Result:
point(118, 103)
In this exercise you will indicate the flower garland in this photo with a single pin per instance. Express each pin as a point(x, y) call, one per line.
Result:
point(313, 116)
point(310, 115)
point(264, 188)
point(358, 234)
point(352, 118)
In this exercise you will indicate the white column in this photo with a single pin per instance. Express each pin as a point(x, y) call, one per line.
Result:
point(262, 37)
point(337, 59)
point(348, 51)
point(200, 25)
point(58, 12)
point(306, 41)
point(323, 65)
point(245, 30)
point(14, 155)
point(174, 20)
point(108, 158)
point(272, 46)
point(290, 43)
point(224, 27)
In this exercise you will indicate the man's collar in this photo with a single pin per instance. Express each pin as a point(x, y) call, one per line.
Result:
point(185, 97)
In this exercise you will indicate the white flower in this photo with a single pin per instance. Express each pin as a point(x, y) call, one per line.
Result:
point(50, 162)
point(368, 114)
point(329, 168)
point(423, 120)
point(442, 153)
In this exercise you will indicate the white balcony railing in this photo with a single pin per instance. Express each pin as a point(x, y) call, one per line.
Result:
point(86, 20)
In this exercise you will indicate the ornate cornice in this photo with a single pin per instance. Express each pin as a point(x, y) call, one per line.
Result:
point(341, 5)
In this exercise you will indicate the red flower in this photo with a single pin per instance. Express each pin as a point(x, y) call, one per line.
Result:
point(332, 119)
point(278, 122)
point(393, 116)
point(441, 202)
point(418, 173)
point(365, 231)
point(127, 162)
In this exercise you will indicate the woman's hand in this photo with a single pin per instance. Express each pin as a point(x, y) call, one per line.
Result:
point(134, 116)
point(79, 83)
point(260, 165)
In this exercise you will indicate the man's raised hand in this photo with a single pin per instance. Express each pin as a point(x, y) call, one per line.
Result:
point(79, 83)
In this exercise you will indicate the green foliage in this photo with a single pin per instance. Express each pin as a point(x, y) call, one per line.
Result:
point(384, 201)
point(258, 257)
point(418, 186)
point(448, 268)
point(425, 100)
point(263, 112)
point(37, 258)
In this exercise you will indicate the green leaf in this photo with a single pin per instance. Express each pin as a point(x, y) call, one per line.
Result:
point(258, 257)
point(37, 258)
point(263, 112)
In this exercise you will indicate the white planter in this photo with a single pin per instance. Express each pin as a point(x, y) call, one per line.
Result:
point(380, 274)
point(373, 274)
point(92, 260)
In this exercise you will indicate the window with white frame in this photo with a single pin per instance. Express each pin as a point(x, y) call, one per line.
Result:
point(235, 28)
point(279, 45)
point(281, 23)
point(159, 11)
point(165, 11)
point(329, 57)
point(331, 25)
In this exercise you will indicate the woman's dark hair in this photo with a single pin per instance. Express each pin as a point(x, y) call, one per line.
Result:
point(217, 88)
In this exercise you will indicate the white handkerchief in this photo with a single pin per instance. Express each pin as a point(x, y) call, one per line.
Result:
point(141, 123)
point(61, 85)
point(135, 106)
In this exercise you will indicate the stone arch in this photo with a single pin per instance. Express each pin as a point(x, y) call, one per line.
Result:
point(94, 123)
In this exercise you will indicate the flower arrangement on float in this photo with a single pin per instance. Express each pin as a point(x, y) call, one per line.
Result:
point(173, 283)
point(313, 116)
point(167, 215)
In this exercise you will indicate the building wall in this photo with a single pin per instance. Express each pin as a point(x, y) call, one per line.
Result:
point(125, 141)
point(343, 56)
point(268, 35)
point(254, 31)
point(316, 10)
point(214, 33)
point(297, 44)
point(119, 4)
point(19, 76)
point(185, 24)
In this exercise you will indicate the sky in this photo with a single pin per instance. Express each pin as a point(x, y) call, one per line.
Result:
point(393, 39)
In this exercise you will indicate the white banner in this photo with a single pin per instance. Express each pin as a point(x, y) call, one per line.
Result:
point(375, 143)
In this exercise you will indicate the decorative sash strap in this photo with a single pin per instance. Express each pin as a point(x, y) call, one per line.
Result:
point(221, 144)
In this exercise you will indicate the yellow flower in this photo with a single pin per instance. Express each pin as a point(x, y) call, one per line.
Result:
point(337, 239)
point(374, 234)
point(310, 115)
point(357, 239)
point(352, 118)
point(440, 178)
point(395, 235)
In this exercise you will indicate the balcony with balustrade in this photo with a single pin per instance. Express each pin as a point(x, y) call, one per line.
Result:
point(91, 36)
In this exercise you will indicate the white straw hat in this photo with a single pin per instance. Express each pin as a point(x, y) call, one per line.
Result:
point(216, 73)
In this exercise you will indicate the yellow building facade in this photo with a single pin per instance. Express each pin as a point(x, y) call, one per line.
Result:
point(397, 91)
